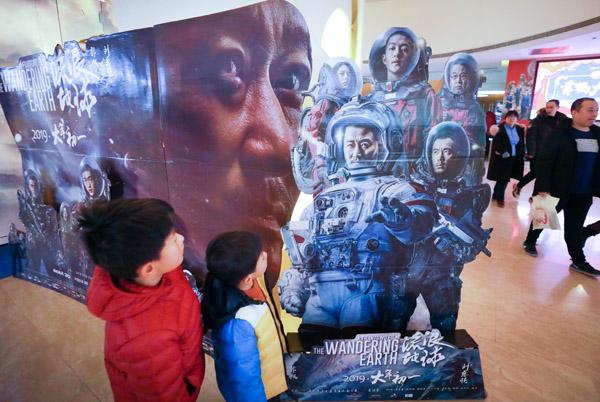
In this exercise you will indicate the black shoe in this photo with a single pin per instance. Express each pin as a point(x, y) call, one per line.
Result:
point(530, 249)
point(516, 191)
point(585, 268)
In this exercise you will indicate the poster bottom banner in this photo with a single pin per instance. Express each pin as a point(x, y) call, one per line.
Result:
point(372, 367)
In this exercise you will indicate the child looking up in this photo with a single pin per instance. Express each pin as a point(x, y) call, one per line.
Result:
point(247, 335)
point(153, 333)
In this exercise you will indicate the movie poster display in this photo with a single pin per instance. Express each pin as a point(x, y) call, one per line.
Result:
point(519, 87)
point(11, 179)
point(201, 113)
point(388, 367)
point(204, 112)
point(87, 126)
point(41, 24)
point(567, 80)
point(398, 194)
point(398, 202)
point(230, 103)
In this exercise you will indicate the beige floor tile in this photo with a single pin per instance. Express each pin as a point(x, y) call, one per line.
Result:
point(512, 374)
point(479, 320)
point(34, 371)
point(210, 390)
point(100, 386)
point(569, 346)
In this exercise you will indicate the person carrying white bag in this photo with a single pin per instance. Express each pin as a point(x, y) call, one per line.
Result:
point(569, 169)
point(543, 213)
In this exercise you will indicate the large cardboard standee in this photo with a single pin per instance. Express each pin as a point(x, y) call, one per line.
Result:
point(204, 112)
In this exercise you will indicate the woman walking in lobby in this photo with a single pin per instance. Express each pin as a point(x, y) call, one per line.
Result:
point(506, 159)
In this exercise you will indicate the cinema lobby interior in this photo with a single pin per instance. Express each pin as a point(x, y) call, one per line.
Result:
point(381, 151)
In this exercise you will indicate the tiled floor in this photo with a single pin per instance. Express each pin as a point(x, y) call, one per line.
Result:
point(51, 348)
point(536, 323)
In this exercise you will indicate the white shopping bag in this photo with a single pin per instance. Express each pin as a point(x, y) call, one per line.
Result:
point(543, 213)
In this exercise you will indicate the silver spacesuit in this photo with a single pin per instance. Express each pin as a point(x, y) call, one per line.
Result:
point(43, 243)
point(458, 238)
point(352, 248)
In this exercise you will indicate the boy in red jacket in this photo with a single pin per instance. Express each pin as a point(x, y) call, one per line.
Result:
point(153, 338)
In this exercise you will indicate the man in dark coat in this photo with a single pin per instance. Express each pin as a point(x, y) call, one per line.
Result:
point(506, 158)
point(537, 133)
point(569, 169)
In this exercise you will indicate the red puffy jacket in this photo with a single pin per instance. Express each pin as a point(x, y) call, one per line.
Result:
point(153, 338)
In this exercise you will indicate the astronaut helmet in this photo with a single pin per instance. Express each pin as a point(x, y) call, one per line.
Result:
point(33, 187)
point(461, 75)
point(339, 79)
point(65, 212)
point(395, 55)
point(447, 150)
point(363, 138)
point(94, 183)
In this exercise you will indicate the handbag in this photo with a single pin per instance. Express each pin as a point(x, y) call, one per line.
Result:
point(543, 213)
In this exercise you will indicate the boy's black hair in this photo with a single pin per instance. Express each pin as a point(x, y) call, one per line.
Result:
point(556, 101)
point(512, 113)
point(232, 256)
point(124, 234)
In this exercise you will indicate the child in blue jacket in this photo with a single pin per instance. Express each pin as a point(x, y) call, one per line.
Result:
point(247, 337)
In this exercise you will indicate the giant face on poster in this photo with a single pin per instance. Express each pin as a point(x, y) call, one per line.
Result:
point(201, 113)
point(204, 112)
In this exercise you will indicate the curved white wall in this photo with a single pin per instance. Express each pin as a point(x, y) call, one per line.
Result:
point(454, 25)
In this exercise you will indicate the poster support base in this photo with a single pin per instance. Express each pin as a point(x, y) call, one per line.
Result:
point(413, 365)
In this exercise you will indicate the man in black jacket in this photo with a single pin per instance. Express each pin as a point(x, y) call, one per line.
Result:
point(537, 133)
point(569, 169)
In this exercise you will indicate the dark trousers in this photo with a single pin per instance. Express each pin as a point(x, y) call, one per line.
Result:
point(530, 176)
point(575, 207)
point(488, 141)
point(15, 253)
point(592, 229)
point(499, 189)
